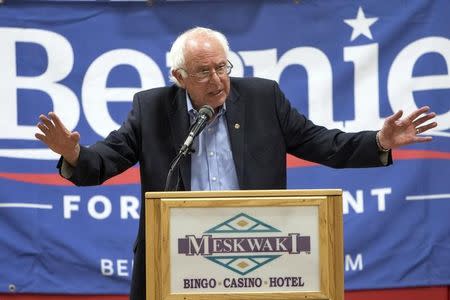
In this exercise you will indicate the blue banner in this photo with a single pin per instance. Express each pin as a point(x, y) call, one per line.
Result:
point(345, 64)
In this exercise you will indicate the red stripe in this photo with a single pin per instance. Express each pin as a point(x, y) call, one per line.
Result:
point(131, 176)
point(294, 162)
point(412, 293)
point(420, 154)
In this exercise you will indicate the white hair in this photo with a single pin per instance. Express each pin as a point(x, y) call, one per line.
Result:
point(176, 59)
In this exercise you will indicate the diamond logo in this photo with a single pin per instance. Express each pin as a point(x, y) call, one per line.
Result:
point(242, 223)
point(243, 264)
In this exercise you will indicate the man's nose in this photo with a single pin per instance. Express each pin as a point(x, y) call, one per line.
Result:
point(215, 78)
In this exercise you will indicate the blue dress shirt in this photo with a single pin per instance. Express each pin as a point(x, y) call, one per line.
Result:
point(212, 164)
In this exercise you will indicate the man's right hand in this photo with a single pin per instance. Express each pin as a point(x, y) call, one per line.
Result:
point(60, 140)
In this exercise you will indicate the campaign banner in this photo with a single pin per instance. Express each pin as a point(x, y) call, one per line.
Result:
point(344, 64)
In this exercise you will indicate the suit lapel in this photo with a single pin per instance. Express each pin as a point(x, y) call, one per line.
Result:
point(179, 125)
point(235, 121)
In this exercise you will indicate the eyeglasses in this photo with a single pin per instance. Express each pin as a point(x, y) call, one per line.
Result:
point(205, 76)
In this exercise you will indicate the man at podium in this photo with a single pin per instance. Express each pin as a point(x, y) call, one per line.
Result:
point(249, 127)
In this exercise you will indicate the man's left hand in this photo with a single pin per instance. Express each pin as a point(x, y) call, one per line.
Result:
point(398, 132)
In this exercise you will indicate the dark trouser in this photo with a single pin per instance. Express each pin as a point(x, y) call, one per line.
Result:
point(137, 291)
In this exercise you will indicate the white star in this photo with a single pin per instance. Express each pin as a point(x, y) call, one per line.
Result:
point(361, 25)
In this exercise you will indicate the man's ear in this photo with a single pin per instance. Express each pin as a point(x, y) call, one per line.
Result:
point(179, 77)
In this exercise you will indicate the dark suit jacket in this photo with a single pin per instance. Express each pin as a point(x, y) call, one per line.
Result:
point(268, 129)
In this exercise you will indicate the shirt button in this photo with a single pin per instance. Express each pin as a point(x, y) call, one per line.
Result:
point(211, 153)
point(210, 130)
point(214, 179)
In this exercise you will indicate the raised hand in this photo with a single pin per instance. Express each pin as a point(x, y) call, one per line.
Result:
point(398, 132)
point(60, 140)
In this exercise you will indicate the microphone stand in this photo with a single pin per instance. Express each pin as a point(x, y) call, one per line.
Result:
point(171, 185)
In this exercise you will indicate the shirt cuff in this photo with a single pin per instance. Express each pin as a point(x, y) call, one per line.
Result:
point(384, 157)
point(66, 169)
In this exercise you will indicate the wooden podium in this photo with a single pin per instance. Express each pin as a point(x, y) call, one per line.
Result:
point(265, 244)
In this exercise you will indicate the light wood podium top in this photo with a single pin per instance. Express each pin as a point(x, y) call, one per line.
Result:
point(244, 193)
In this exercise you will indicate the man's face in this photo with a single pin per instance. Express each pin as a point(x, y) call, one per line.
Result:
point(202, 54)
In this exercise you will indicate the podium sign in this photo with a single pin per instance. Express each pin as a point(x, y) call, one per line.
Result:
point(244, 245)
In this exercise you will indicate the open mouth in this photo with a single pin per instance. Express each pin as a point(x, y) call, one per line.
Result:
point(216, 93)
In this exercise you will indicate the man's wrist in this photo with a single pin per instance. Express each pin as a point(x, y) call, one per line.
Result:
point(73, 158)
point(380, 147)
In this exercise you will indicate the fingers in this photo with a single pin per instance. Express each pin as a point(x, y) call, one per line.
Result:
point(43, 138)
point(47, 127)
point(52, 121)
point(46, 134)
point(423, 139)
point(56, 120)
point(395, 117)
point(48, 123)
point(426, 127)
point(51, 124)
point(40, 137)
point(414, 115)
point(423, 119)
point(43, 128)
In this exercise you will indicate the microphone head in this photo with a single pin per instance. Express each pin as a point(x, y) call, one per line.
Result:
point(206, 110)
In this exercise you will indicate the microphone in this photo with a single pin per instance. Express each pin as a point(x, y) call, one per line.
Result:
point(204, 115)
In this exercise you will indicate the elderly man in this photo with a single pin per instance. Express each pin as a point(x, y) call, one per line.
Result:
point(244, 146)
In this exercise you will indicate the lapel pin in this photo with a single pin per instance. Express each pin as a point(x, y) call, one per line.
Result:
point(237, 126)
